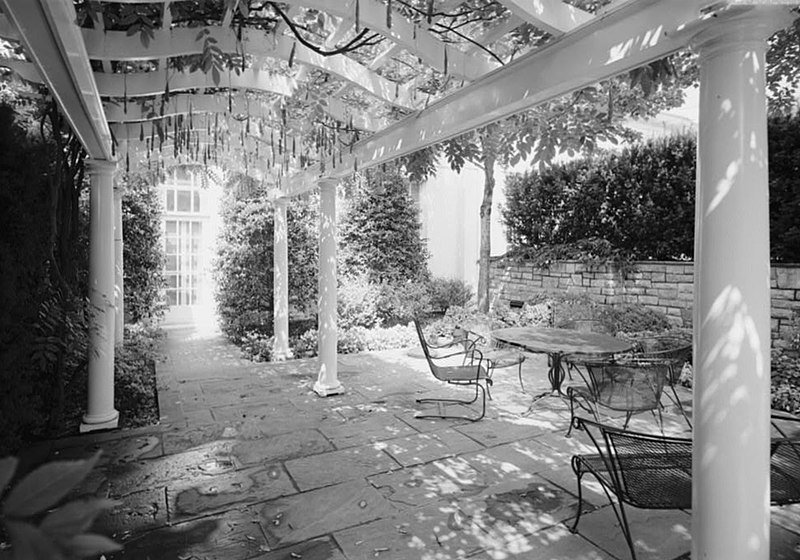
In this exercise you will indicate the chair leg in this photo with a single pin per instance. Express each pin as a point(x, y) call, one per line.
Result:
point(576, 469)
point(677, 401)
point(519, 374)
point(478, 388)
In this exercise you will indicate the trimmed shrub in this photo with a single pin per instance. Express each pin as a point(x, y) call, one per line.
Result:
point(357, 302)
point(449, 292)
point(638, 204)
point(401, 302)
point(380, 232)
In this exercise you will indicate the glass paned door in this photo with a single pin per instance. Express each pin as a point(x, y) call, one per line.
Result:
point(182, 249)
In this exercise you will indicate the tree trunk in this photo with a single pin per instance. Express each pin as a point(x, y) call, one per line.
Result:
point(485, 251)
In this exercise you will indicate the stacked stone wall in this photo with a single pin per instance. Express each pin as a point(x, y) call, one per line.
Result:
point(667, 287)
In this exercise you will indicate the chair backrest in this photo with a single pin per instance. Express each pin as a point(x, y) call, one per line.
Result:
point(677, 351)
point(629, 386)
point(647, 470)
point(424, 343)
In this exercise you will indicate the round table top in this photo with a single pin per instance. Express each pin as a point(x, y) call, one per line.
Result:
point(561, 341)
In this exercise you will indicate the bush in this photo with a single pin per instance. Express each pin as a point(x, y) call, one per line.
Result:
point(638, 204)
point(135, 394)
point(257, 346)
point(401, 302)
point(143, 255)
point(449, 292)
point(357, 302)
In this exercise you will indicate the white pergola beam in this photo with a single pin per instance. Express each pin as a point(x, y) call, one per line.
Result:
point(419, 42)
point(117, 45)
point(636, 33)
point(554, 16)
point(179, 104)
point(54, 43)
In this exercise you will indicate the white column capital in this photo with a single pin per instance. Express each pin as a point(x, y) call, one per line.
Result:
point(755, 24)
point(100, 166)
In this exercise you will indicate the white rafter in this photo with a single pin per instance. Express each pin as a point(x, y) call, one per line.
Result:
point(117, 45)
point(554, 16)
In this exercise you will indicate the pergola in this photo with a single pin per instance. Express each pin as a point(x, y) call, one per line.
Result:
point(385, 114)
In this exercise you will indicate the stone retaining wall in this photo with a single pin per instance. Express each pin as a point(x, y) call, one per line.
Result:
point(664, 286)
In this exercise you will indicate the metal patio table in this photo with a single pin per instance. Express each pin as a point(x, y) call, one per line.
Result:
point(557, 343)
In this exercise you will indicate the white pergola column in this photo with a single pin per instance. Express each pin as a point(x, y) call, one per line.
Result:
point(100, 412)
point(119, 286)
point(730, 502)
point(328, 381)
point(280, 284)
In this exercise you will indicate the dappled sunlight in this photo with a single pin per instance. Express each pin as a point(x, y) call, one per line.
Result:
point(730, 316)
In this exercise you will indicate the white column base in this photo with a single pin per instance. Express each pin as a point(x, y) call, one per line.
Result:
point(109, 422)
point(325, 391)
point(281, 356)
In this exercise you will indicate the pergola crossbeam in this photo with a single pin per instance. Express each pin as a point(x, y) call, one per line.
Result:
point(554, 16)
point(117, 45)
point(636, 33)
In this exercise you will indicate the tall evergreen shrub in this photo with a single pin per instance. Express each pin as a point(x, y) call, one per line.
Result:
point(784, 188)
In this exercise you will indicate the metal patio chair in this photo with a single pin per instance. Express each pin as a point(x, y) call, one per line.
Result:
point(628, 386)
point(672, 349)
point(473, 373)
point(494, 356)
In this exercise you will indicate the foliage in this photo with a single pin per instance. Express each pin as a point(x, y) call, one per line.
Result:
point(380, 231)
point(449, 292)
point(401, 302)
point(244, 265)
point(608, 208)
point(135, 394)
point(357, 302)
point(632, 318)
point(358, 339)
point(257, 346)
point(40, 524)
point(784, 196)
point(143, 256)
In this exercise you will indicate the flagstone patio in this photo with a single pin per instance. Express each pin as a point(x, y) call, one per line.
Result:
point(249, 463)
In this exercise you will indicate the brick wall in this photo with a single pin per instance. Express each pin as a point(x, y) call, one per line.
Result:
point(663, 286)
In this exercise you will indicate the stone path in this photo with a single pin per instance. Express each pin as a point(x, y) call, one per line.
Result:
point(249, 463)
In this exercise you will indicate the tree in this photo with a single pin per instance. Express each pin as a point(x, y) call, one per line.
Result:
point(380, 232)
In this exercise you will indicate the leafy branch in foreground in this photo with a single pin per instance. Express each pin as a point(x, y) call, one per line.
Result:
point(37, 528)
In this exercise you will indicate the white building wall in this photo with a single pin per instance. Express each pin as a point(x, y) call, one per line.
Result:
point(449, 210)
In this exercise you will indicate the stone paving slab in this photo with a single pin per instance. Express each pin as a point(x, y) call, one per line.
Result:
point(367, 427)
point(235, 535)
point(281, 447)
point(656, 533)
point(553, 543)
point(423, 448)
point(494, 431)
point(438, 531)
point(209, 460)
point(139, 511)
point(315, 549)
point(414, 487)
point(198, 496)
point(339, 466)
point(308, 515)
point(512, 509)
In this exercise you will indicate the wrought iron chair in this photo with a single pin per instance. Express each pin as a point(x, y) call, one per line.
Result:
point(494, 356)
point(628, 386)
point(473, 373)
point(655, 471)
point(672, 349)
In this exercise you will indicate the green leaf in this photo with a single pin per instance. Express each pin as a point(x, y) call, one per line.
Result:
point(74, 518)
point(30, 543)
point(8, 467)
point(90, 544)
point(46, 486)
